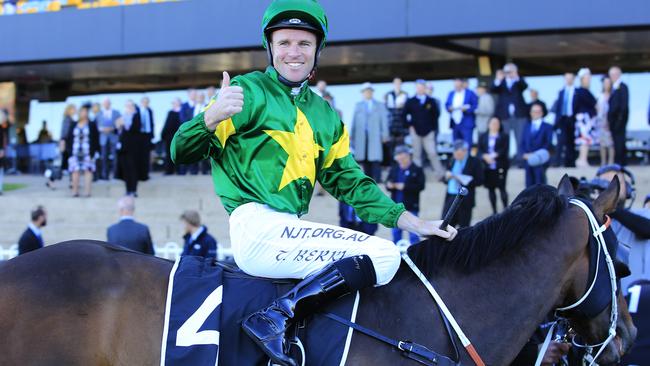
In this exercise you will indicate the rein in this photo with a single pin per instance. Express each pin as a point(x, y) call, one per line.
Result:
point(414, 351)
point(597, 231)
point(447, 314)
point(411, 350)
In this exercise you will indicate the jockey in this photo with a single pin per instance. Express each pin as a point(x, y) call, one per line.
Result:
point(270, 138)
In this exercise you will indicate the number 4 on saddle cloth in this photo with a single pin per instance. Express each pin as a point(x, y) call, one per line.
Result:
point(206, 303)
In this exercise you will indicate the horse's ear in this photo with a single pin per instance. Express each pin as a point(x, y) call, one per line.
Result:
point(565, 188)
point(606, 201)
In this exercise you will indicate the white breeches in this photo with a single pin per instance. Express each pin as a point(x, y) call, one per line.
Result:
point(268, 243)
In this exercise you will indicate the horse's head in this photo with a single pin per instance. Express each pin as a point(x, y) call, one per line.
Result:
point(590, 283)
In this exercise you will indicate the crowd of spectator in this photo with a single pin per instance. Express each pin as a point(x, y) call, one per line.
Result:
point(101, 142)
point(483, 122)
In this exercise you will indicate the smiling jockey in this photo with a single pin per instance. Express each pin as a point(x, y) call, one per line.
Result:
point(270, 138)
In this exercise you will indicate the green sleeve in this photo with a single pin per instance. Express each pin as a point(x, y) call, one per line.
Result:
point(193, 142)
point(342, 177)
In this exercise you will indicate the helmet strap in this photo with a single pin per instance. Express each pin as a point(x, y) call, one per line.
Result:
point(289, 83)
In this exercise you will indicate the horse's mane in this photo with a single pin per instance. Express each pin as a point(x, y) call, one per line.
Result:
point(535, 209)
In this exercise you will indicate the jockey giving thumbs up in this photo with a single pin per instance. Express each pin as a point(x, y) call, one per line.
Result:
point(229, 102)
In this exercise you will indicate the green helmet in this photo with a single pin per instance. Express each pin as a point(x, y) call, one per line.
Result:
point(301, 14)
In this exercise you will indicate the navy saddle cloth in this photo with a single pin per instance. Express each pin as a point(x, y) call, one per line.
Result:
point(234, 295)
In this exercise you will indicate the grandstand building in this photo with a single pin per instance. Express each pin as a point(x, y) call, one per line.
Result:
point(53, 49)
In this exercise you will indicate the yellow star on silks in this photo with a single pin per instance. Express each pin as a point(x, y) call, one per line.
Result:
point(301, 148)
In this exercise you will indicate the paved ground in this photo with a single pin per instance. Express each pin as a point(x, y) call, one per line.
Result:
point(162, 199)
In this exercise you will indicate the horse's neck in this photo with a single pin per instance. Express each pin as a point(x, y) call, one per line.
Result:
point(499, 307)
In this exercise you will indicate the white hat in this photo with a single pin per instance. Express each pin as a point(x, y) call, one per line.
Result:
point(584, 71)
point(367, 85)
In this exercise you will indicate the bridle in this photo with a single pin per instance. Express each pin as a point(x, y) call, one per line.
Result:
point(591, 304)
point(584, 305)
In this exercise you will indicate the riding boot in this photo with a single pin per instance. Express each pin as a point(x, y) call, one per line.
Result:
point(267, 327)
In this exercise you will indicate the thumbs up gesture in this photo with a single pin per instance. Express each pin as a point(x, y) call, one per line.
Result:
point(229, 102)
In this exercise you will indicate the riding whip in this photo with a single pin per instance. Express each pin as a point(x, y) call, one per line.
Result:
point(462, 193)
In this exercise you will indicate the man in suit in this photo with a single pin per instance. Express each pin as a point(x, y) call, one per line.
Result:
point(32, 238)
point(187, 108)
point(534, 98)
point(462, 167)
point(565, 122)
point(461, 104)
point(405, 182)
point(147, 131)
point(369, 132)
point(197, 240)
point(187, 113)
point(511, 106)
point(127, 232)
point(106, 123)
point(421, 113)
point(537, 135)
point(618, 114)
point(204, 166)
point(172, 123)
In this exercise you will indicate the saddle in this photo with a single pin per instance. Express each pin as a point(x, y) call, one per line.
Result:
point(215, 297)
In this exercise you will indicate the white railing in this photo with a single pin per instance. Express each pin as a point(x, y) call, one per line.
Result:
point(169, 250)
point(172, 251)
point(7, 254)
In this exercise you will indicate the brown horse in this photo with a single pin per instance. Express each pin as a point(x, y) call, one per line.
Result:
point(87, 303)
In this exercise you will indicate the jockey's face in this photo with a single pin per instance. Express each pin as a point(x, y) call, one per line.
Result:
point(294, 52)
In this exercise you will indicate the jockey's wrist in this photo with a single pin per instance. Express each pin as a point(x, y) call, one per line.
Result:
point(409, 222)
point(210, 121)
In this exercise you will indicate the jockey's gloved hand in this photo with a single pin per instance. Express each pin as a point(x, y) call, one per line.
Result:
point(409, 222)
point(229, 102)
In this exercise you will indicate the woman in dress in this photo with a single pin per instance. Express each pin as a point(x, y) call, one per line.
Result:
point(81, 145)
point(493, 149)
point(603, 134)
point(585, 113)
